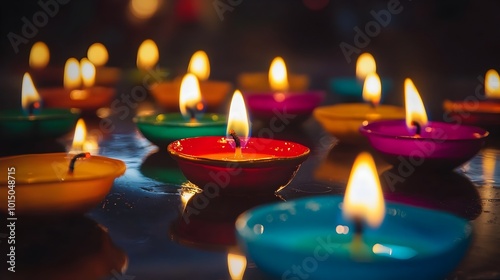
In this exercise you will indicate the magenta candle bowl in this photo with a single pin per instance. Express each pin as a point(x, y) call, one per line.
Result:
point(300, 104)
point(273, 170)
point(440, 146)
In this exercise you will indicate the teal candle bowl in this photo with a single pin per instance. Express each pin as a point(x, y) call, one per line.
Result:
point(161, 129)
point(350, 89)
point(48, 123)
point(308, 238)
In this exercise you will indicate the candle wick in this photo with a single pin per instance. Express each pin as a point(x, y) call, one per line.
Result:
point(32, 106)
point(418, 127)
point(192, 114)
point(235, 138)
point(358, 226)
point(73, 160)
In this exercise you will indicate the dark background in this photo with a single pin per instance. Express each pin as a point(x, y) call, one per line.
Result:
point(442, 45)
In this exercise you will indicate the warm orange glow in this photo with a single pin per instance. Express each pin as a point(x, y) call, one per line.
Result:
point(238, 117)
point(39, 55)
point(372, 89)
point(72, 78)
point(147, 55)
point(80, 135)
point(365, 65)
point(278, 78)
point(190, 95)
point(236, 263)
point(415, 110)
point(489, 165)
point(98, 54)
point(29, 94)
point(199, 65)
point(363, 197)
point(144, 9)
point(492, 84)
point(87, 69)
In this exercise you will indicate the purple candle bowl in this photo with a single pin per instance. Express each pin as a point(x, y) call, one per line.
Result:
point(440, 146)
point(267, 105)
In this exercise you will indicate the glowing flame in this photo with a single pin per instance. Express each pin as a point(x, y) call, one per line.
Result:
point(144, 9)
point(29, 94)
point(199, 65)
point(363, 197)
point(80, 135)
point(236, 263)
point(147, 55)
point(39, 55)
point(492, 84)
point(98, 54)
point(365, 65)
point(87, 69)
point(190, 96)
point(238, 117)
point(372, 89)
point(72, 78)
point(278, 78)
point(415, 110)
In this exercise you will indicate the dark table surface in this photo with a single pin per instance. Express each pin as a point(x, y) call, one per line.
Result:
point(137, 231)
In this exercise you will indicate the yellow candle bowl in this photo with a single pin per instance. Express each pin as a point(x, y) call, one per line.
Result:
point(344, 120)
point(259, 82)
point(43, 185)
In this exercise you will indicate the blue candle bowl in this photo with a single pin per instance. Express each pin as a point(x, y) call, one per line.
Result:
point(349, 89)
point(309, 238)
point(161, 129)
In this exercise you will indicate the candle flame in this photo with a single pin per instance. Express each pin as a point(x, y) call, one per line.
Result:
point(39, 55)
point(87, 70)
point(372, 89)
point(365, 65)
point(415, 110)
point(363, 197)
point(80, 135)
point(199, 65)
point(190, 96)
point(72, 78)
point(147, 55)
point(98, 54)
point(238, 117)
point(236, 264)
point(492, 84)
point(144, 9)
point(29, 94)
point(278, 78)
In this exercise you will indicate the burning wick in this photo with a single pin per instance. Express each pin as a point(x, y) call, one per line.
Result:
point(192, 114)
point(32, 107)
point(73, 160)
point(237, 142)
point(419, 128)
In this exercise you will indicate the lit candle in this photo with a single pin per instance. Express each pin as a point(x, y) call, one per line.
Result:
point(343, 120)
point(214, 92)
point(423, 144)
point(282, 98)
point(359, 236)
point(33, 121)
point(481, 110)
point(81, 141)
point(79, 90)
point(39, 56)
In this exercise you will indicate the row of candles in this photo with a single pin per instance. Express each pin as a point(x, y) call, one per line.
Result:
point(194, 141)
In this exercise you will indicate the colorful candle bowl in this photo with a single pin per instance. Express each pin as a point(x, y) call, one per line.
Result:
point(161, 129)
point(15, 125)
point(267, 165)
point(89, 99)
point(309, 237)
point(43, 184)
point(259, 82)
point(271, 104)
point(350, 89)
point(214, 93)
point(343, 120)
point(483, 113)
point(440, 146)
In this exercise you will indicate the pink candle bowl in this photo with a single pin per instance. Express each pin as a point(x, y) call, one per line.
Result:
point(265, 166)
point(440, 145)
point(88, 99)
point(268, 104)
point(44, 184)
